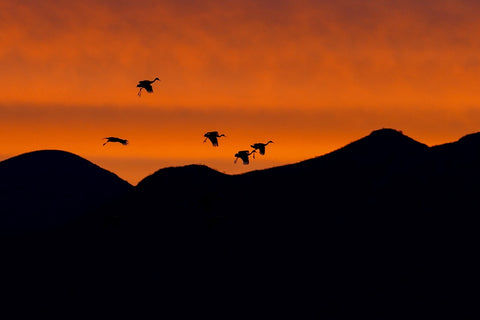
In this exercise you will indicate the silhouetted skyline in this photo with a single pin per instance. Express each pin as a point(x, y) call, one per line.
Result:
point(384, 211)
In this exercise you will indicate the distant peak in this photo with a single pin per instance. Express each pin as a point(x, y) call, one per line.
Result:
point(190, 172)
point(473, 137)
point(392, 138)
point(190, 168)
point(45, 156)
point(48, 152)
point(386, 132)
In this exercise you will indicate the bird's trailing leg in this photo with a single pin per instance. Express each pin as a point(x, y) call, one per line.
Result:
point(205, 140)
point(235, 160)
point(140, 92)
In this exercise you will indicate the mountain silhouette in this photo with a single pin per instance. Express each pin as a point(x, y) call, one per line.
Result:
point(383, 214)
point(49, 188)
point(385, 177)
point(383, 192)
point(379, 219)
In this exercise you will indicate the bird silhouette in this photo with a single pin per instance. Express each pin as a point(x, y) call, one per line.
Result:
point(244, 156)
point(147, 85)
point(260, 146)
point(213, 135)
point(114, 139)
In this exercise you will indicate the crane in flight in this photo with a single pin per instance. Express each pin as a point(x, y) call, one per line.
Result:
point(244, 156)
point(147, 85)
point(115, 139)
point(260, 146)
point(212, 136)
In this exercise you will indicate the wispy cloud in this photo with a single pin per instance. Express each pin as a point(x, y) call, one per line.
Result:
point(249, 53)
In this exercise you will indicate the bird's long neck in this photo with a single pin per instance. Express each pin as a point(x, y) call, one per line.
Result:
point(154, 80)
point(268, 142)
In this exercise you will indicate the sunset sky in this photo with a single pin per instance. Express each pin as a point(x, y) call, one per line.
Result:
point(310, 75)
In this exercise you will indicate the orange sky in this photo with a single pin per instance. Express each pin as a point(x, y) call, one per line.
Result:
point(309, 75)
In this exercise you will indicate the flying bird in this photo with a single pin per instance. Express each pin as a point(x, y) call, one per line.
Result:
point(244, 156)
point(147, 85)
point(114, 139)
point(213, 135)
point(261, 146)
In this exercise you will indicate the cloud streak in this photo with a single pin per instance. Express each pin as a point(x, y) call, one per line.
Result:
point(253, 53)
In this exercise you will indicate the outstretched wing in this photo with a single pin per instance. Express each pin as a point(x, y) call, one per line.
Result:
point(109, 139)
point(261, 148)
point(148, 87)
point(214, 140)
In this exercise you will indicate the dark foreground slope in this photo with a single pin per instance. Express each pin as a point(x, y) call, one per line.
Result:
point(46, 189)
point(382, 214)
point(385, 186)
point(384, 181)
point(384, 221)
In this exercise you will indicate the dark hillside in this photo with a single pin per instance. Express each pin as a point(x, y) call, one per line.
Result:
point(383, 218)
point(181, 191)
point(384, 181)
point(383, 193)
point(349, 182)
point(49, 188)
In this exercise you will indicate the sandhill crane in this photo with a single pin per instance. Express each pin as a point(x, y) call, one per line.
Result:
point(244, 156)
point(114, 139)
point(213, 135)
point(147, 85)
point(260, 146)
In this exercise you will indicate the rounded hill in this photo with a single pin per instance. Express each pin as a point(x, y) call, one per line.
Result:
point(48, 188)
point(193, 175)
